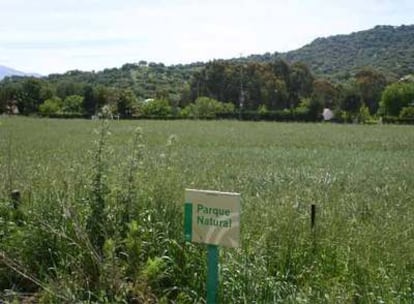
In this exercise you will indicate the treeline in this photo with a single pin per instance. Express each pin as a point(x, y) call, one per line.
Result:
point(219, 89)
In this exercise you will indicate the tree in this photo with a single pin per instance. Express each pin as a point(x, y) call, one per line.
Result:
point(89, 103)
point(324, 95)
point(370, 83)
point(106, 96)
point(8, 93)
point(255, 83)
point(300, 83)
point(215, 81)
point(281, 69)
point(349, 102)
point(185, 95)
point(29, 95)
point(126, 102)
point(68, 87)
point(397, 96)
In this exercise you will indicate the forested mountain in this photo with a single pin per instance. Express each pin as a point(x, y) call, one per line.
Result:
point(388, 49)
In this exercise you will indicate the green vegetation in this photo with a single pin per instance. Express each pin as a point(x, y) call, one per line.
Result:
point(388, 49)
point(396, 97)
point(221, 89)
point(205, 107)
point(342, 73)
point(101, 220)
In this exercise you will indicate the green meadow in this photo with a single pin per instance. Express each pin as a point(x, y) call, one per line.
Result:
point(100, 219)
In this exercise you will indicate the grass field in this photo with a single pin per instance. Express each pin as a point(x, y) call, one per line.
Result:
point(101, 214)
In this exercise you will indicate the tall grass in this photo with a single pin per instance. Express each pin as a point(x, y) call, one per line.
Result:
point(103, 212)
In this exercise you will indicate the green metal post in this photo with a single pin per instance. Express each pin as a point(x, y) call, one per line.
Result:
point(188, 221)
point(212, 273)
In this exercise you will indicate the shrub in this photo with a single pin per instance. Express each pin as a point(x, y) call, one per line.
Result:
point(51, 106)
point(205, 107)
point(157, 108)
point(407, 112)
point(364, 115)
point(395, 97)
point(262, 109)
point(73, 104)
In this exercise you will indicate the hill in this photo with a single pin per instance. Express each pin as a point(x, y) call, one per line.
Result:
point(146, 80)
point(6, 71)
point(269, 82)
point(389, 49)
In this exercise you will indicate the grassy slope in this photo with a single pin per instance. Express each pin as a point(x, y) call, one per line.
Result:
point(360, 177)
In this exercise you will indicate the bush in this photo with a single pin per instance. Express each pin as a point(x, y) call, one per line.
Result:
point(398, 120)
point(364, 115)
point(159, 108)
point(395, 97)
point(263, 110)
point(407, 112)
point(66, 115)
point(51, 106)
point(205, 107)
point(73, 104)
point(283, 115)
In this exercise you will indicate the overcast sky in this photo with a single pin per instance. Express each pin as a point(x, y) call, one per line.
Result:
point(50, 36)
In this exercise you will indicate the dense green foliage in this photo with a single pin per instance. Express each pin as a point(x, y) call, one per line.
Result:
point(121, 89)
point(205, 107)
point(51, 106)
point(396, 97)
point(268, 91)
point(256, 85)
point(100, 218)
point(388, 49)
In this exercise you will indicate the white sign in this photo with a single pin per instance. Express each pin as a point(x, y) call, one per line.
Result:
point(214, 217)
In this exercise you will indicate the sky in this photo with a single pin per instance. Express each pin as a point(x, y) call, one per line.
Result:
point(54, 36)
